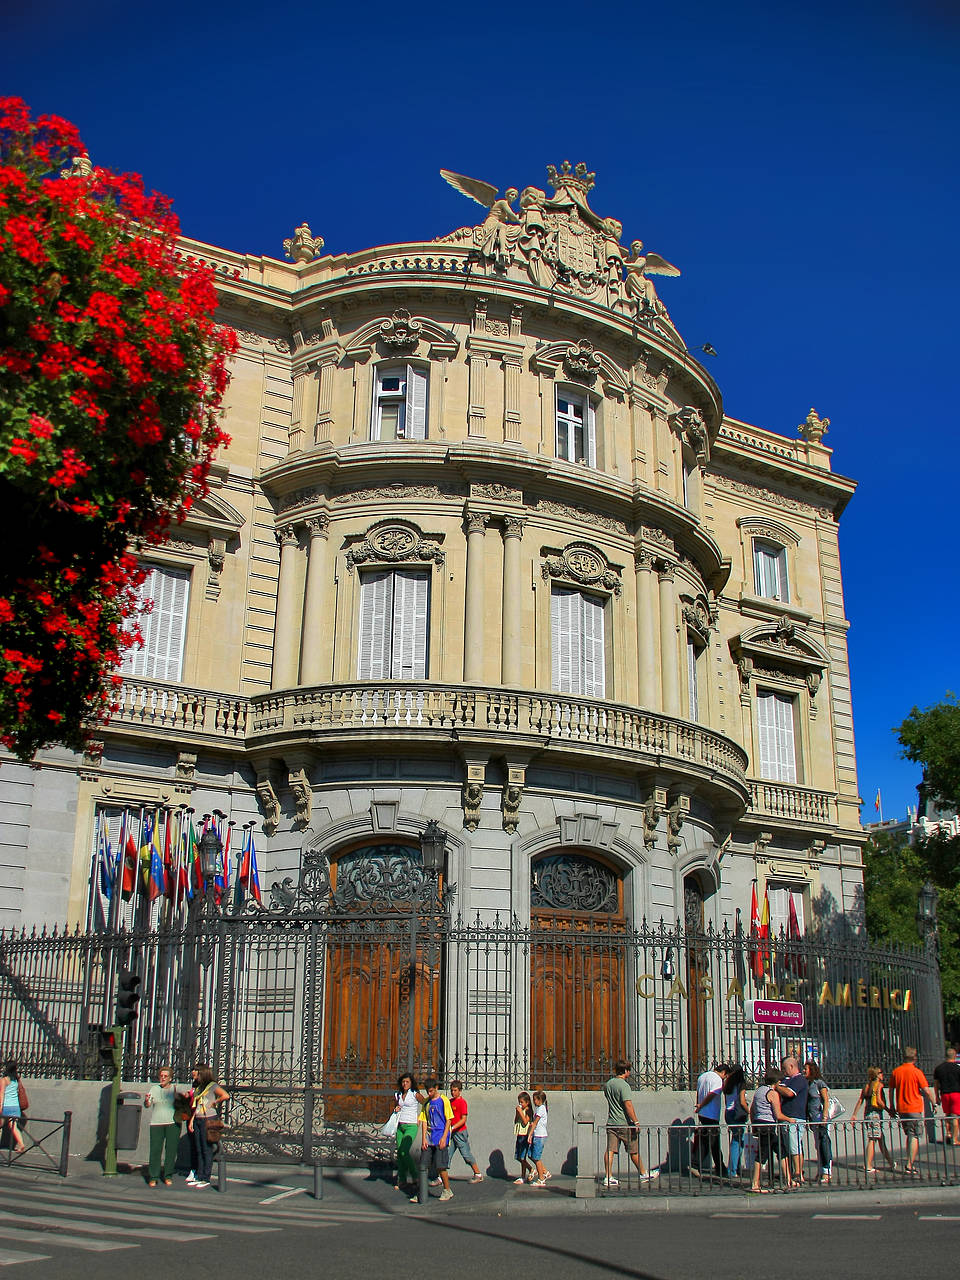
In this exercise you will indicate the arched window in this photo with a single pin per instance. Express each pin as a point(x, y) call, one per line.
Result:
point(578, 967)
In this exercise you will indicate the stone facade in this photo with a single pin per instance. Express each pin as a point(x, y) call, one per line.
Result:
point(559, 444)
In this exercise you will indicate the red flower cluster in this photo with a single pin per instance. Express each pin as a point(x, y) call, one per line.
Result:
point(112, 373)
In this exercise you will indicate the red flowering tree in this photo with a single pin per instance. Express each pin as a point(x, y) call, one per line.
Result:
point(112, 372)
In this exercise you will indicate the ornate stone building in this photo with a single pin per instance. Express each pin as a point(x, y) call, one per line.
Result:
point(486, 549)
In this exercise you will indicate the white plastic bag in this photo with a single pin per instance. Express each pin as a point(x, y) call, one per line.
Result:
point(835, 1108)
point(389, 1130)
point(749, 1153)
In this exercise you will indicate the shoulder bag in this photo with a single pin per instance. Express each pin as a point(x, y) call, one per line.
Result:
point(22, 1097)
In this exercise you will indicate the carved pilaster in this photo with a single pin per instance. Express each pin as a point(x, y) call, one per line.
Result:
point(511, 396)
point(477, 412)
point(324, 424)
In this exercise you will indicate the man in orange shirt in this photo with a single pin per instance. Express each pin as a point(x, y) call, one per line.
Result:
point(907, 1083)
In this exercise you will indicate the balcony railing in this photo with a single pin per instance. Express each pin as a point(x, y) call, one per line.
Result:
point(793, 804)
point(148, 704)
point(353, 708)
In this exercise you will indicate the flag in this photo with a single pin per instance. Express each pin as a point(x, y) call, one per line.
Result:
point(739, 968)
point(766, 957)
point(248, 877)
point(183, 872)
point(195, 883)
point(797, 962)
point(146, 841)
point(756, 954)
point(128, 881)
point(157, 884)
point(876, 803)
point(222, 879)
point(105, 860)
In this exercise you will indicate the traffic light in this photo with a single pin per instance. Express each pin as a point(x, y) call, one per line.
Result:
point(109, 1049)
point(128, 997)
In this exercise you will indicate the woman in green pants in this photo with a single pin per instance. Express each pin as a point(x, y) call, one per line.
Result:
point(164, 1130)
point(408, 1115)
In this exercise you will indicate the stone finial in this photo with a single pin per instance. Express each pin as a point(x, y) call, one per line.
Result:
point(303, 245)
point(815, 427)
point(79, 167)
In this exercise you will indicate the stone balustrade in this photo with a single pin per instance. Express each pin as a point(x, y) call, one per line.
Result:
point(191, 713)
point(792, 804)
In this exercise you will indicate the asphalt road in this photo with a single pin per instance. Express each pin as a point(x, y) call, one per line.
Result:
point(52, 1231)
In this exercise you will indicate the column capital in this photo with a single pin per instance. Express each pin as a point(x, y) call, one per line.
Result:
point(513, 526)
point(666, 570)
point(477, 521)
point(644, 560)
point(286, 535)
point(318, 526)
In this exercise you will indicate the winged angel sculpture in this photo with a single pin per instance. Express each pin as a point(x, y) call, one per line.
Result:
point(638, 286)
point(501, 228)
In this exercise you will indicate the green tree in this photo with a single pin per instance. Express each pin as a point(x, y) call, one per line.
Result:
point(893, 874)
point(931, 738)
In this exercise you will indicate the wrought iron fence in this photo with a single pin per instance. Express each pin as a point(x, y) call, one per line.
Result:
point(330, 995)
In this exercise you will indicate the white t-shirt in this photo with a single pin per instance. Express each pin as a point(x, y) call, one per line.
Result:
point(409, 1108)
point(541, 1113)
point(707, 1084)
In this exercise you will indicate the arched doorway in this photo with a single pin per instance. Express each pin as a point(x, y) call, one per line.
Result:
point(577, 970)
point(383, 975)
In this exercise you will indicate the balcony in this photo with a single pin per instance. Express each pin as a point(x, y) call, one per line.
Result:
point(575, 726)
point(778, 802)
point(152, 709)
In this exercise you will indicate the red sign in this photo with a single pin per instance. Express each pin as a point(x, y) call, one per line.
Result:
point(775, 1013)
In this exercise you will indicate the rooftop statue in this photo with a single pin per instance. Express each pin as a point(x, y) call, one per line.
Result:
point(303, 246)
point(638, 287)
point(497, 236)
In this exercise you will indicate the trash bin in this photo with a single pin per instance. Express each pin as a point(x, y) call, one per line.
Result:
point(129, 1109)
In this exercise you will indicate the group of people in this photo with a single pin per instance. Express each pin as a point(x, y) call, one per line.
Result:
point(440, 1122)
point(170, 1107)
point(903, 1098)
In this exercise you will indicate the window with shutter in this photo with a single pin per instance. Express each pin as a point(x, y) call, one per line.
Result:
point(775, 733)
point(394, 617)
point(693, 684)
point(576, 428)
point(164, 627)
point(770, 571)
point(578, 643)
point(400, 403)
point(779, 895)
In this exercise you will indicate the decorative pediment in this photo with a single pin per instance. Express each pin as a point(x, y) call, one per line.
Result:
point(214, 514)
point(584, 565)
point(773, 530)
point(394, 542)
point(782, 648)
point(402, 334)
point(580, 362)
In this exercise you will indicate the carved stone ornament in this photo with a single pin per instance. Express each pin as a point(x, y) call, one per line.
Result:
point(582, 363)
point(92, 759)
point(675, 815)
point(269, 805)
point(472, 799)
point(510, 806)
point(571, 882)
point(186, 766)
point(584, 565)
point(302, 796)
point(79, 167)
point(651, 818)
point(303, 246)
point(697, 618)
point(501, 492)
point(400, 332)
point(814, 428)
point(693, 429)
point(394, 543)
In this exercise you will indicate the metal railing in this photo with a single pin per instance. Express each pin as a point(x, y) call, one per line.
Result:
point(685, 1158)
point(339, 1000)
point(38, 1136)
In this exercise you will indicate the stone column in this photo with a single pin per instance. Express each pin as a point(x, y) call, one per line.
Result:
point(286, 640)
point(316, 643)
point(510, 648)
point(669, 654)
point(648, 632)
point(473, 619)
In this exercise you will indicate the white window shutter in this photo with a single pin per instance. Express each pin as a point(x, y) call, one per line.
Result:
point(564, 621)
point(785, 740)
point(779, 899)
point(766, 735)
point(375, 406)
point(778, 758)
point(411, 595)
point(164, 627)
point(416, 403)
point(590, 426)
point(591, 631)
point(376, 609)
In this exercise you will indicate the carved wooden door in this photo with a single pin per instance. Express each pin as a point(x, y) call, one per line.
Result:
point(577, 972)
point(697, 968)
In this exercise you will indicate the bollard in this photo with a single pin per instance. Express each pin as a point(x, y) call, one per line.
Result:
point(586, 1146)
point(423, 1182)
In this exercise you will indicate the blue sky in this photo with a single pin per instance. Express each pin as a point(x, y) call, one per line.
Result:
point(798, 163)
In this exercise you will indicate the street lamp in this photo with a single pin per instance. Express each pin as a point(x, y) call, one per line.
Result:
point(927, 914)
point(433, 847)
point(211, 852)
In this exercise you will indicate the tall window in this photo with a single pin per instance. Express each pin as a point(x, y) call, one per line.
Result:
point(578, 653)
point(779, 896)
point(775, 726)
point(400, 403)
point(694, 656)
point(576, 429)
point(770, 571)
point(164, 627)
point(394, 607)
